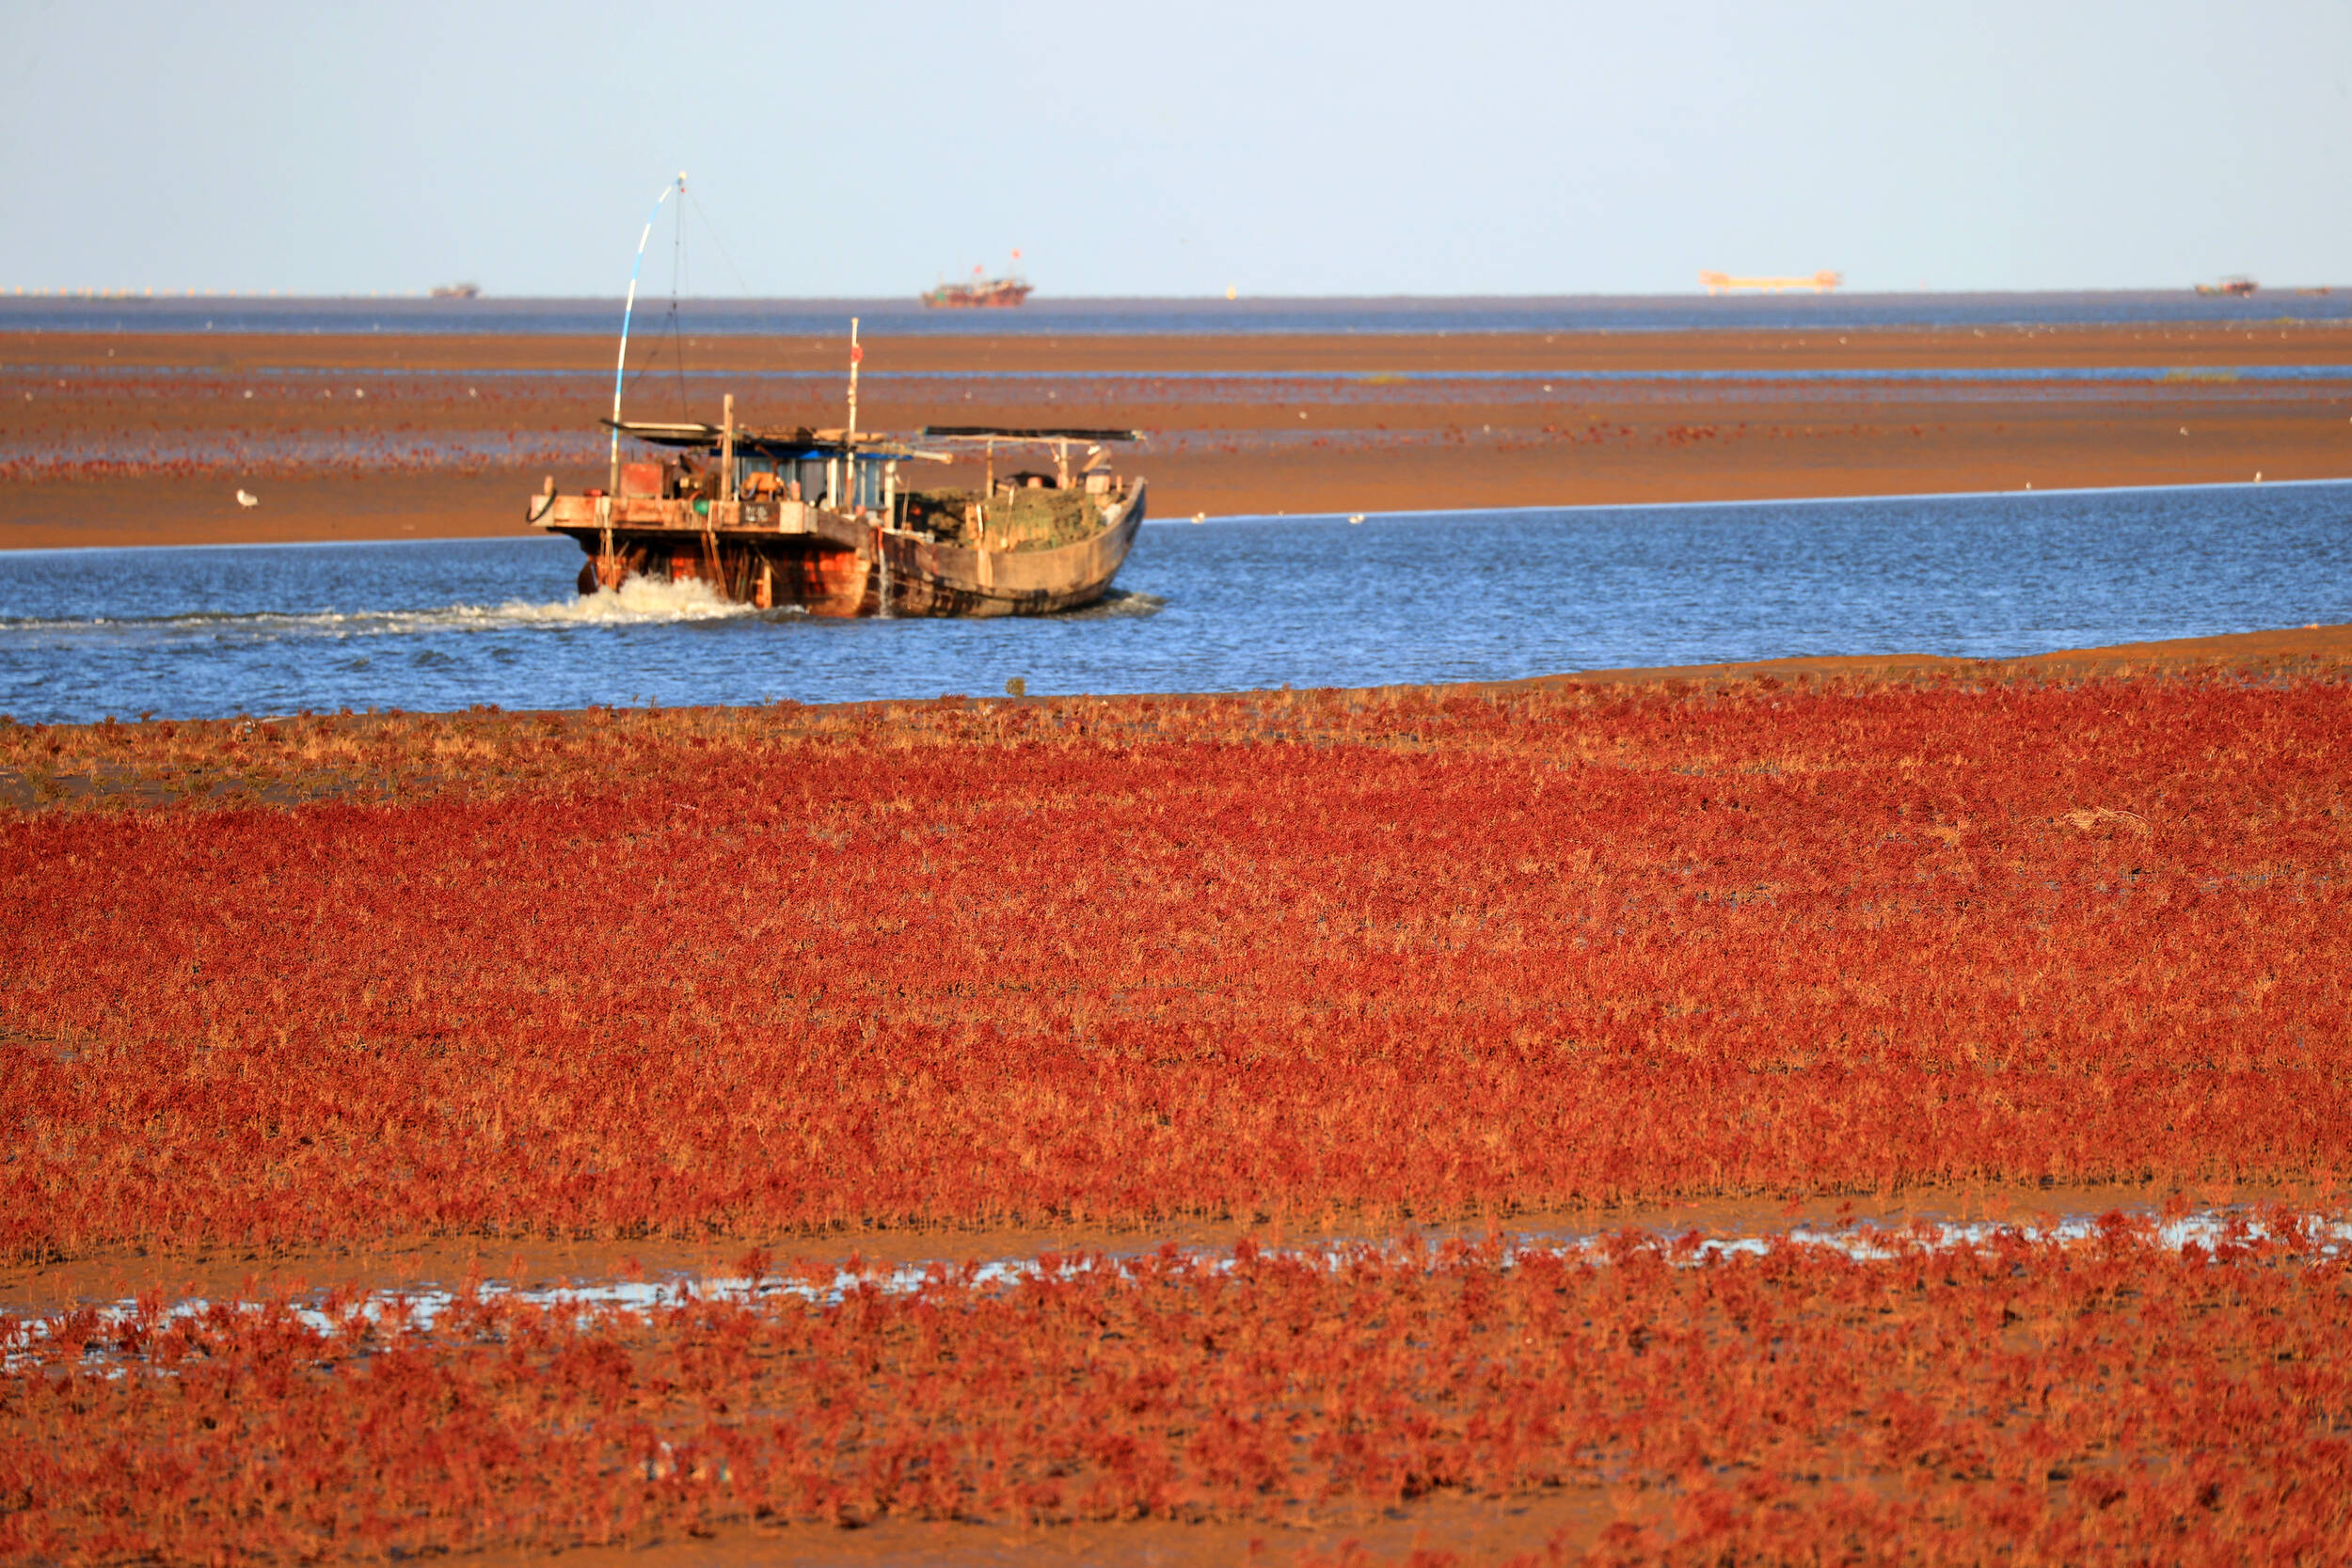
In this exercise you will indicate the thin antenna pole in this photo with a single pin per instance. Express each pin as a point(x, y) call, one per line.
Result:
point(621, 367)
point(857, 354)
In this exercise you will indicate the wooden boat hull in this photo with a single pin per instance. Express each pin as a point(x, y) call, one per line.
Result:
point(784, 554)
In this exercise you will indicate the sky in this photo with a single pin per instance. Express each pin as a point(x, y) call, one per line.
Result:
point(872, 149)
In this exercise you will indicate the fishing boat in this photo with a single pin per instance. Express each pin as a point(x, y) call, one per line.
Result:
point(981, 293)
point(827, 521)
point(832, 522)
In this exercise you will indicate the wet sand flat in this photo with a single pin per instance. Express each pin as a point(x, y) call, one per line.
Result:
point(2197, 345)
point(145, 439)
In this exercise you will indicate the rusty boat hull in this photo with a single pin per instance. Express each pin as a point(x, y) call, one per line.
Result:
point(781, 554)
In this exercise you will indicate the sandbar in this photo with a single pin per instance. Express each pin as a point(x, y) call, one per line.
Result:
point(122, 440)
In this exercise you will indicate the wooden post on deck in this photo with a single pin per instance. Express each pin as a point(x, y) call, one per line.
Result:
point(727, 449)
point(857, 354)
point(608, 568)
point(711, 567)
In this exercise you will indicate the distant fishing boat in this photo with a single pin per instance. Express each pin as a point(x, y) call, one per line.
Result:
point(457, 290)
point(981, 293)
point(2235, 288)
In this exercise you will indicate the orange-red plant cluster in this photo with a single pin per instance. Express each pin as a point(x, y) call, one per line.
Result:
point(793, 976)
point(783, 974)
point(2110, 1403)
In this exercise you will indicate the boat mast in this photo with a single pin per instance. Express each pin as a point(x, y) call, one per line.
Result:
point(857, 354)
point(849, 470)
point(621, 366)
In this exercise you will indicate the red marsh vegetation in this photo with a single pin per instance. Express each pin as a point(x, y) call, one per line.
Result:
point(800, 979)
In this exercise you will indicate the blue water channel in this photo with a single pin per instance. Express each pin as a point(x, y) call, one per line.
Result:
point(1226, 605)
point(1047, 316)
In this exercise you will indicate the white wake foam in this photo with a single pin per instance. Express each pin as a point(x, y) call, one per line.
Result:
point(639, 601)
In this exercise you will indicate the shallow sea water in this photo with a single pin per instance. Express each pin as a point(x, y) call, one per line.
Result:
point(1229, 605)
point(1047, 315)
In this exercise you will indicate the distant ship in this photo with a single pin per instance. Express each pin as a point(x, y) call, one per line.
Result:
point(1819, 283)
point(981, 293)
point(457, 290)
point(2236, 288)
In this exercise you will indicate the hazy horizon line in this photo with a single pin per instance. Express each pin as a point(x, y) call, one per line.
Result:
point(11, 295)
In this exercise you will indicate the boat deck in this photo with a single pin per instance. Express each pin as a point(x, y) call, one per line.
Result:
point(774, 552)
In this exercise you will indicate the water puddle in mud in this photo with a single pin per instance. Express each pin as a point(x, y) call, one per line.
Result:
point(2224, 1231)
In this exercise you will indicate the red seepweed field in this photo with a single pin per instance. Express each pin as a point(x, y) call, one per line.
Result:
point(775, 986)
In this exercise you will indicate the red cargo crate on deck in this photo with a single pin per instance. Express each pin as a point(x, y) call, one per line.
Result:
point(640, 479)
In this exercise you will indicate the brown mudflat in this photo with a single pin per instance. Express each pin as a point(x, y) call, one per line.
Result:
point(2206, 345)
point(2298, 647)
point(145, 439)
point(1468, 1530)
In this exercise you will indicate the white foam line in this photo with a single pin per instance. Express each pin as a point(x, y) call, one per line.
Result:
point(422, 1308)
point(1892, 498)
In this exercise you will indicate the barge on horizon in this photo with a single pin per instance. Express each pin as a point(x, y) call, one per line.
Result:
point(824, 520)
point(983, 293)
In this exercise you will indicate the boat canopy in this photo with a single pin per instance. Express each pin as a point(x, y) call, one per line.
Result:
point(799, 441)
point(1008, 433)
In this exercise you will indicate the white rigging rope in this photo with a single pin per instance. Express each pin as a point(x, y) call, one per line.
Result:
point(621, 367)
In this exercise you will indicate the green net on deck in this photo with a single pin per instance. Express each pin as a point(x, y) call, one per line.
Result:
point(1040, 519)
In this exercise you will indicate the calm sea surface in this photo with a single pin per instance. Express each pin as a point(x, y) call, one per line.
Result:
point(1222, 605)
point(1045, 317)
